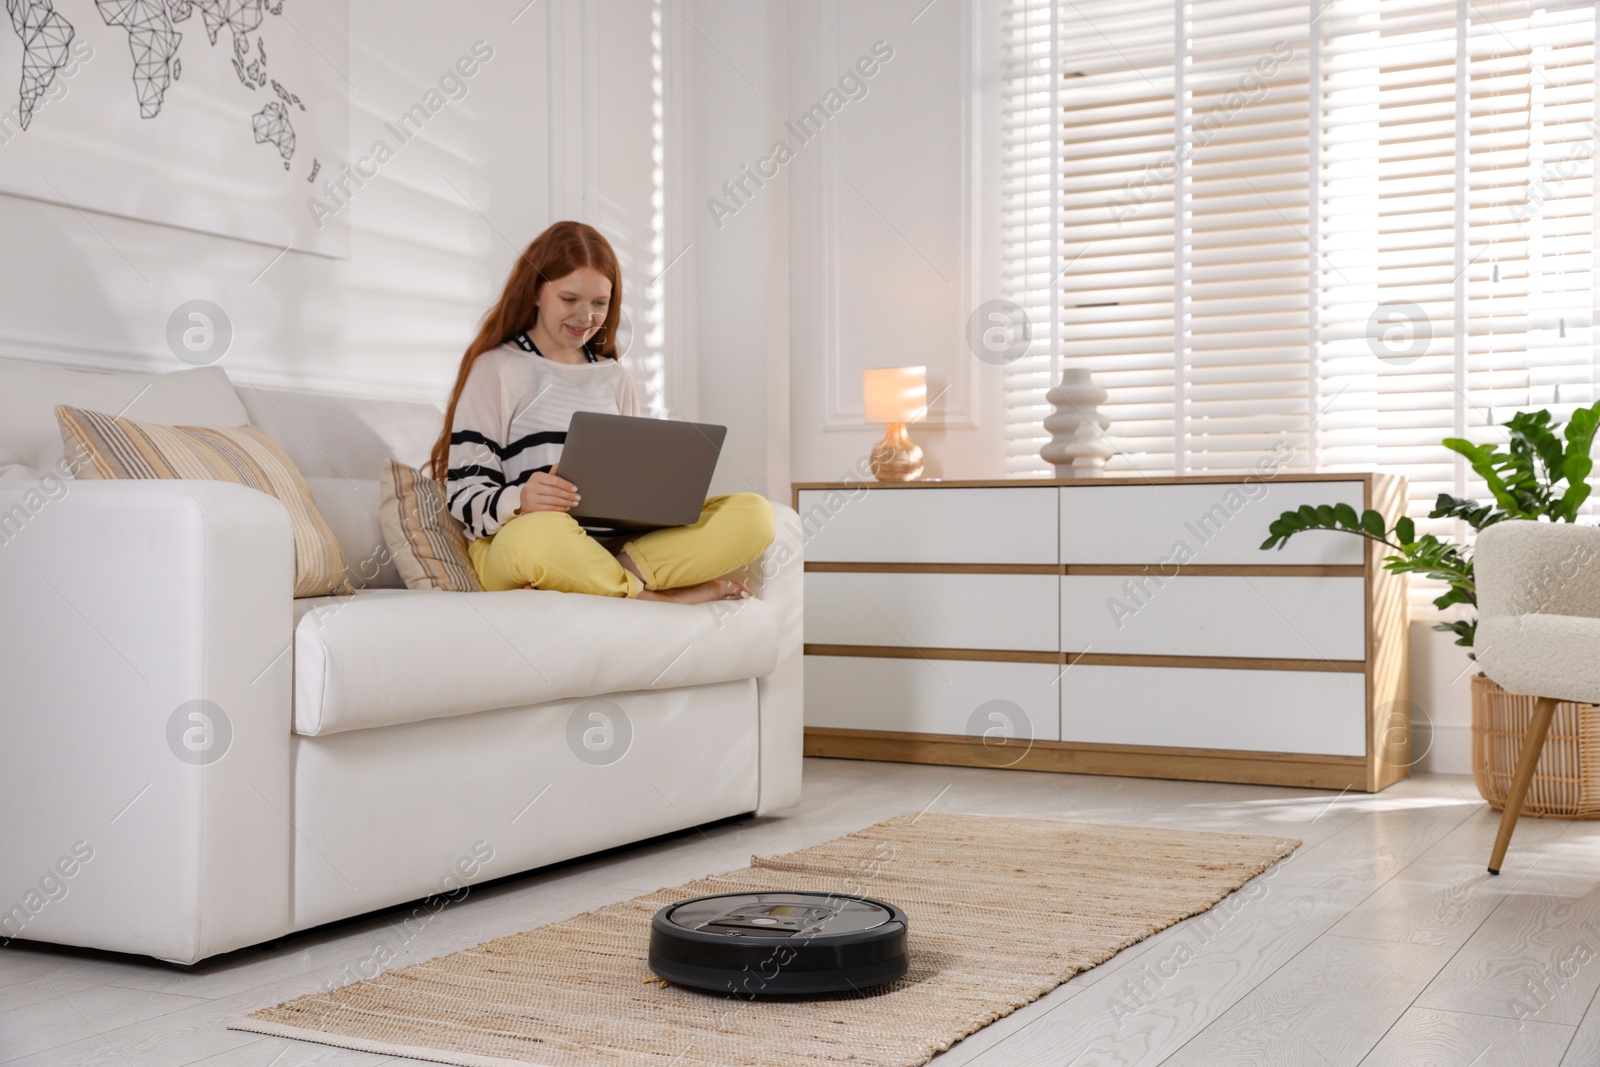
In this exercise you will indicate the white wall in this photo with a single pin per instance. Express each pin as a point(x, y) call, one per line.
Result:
point(735, 62)
point(886, 261)
point(557, 124)
point(1441, 697)
point(875, 265)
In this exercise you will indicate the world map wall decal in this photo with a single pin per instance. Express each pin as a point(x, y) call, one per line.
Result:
point(46, 37)
point(211, 115)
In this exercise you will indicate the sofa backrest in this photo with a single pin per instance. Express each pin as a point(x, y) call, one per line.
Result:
point(351, 508)
point(332, 436)
point(30, 440)
point(339, 443)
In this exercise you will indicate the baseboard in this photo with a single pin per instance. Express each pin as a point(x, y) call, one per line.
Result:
point(1446, 749)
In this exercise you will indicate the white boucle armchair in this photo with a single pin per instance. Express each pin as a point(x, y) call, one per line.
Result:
point(1538, 631)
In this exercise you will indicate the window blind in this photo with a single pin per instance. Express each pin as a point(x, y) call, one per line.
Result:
point(1088, 194)
point(1357, 226)
point(1156, 212)
point(1486, 232)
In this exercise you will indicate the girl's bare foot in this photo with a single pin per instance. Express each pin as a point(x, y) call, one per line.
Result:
point(704, 593)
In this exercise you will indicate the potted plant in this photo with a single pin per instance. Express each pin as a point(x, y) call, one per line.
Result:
point(1541, 473)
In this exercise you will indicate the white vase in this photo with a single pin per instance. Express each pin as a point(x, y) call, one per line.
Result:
point(1077, 447)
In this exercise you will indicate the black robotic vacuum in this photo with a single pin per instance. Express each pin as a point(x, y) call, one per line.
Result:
point(765, 944)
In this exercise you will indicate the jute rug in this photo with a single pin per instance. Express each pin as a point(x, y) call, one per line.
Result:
point(1001, 911)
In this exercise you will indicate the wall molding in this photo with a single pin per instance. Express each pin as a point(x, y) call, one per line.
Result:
point(240, 372)
point(574, 33)
point(836, 410)
point(682, 369)
point(575, 129)
point(572, 30)
point(588, 137)
point(979, 208)
point(778, 218)
point(957, 408)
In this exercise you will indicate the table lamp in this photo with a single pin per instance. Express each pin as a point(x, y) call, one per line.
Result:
point(895, 396)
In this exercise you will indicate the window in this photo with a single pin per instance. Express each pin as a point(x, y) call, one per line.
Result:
point(1166, 245)
point(1486, 224)
point(1357, 226)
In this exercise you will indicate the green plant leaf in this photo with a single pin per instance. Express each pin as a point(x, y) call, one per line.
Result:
point(1576, 463)
point(1471, 512)
point(1533, 434)
point(1489, 464)
point(1464, 629)
point(1281, 529)
point(1524, 475)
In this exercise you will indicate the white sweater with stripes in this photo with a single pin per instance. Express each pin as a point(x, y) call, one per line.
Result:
point(512, 420)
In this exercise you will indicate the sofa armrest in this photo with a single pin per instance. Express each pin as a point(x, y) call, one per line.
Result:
point(140, 819)
point(781, 582)
point(1544, 568)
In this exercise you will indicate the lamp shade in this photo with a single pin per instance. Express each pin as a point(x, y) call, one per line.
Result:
point(895, 394)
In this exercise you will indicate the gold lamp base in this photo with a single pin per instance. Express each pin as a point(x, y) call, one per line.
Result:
point(897, 458)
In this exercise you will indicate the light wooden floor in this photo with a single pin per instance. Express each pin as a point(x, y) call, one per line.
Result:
point(1382, 941)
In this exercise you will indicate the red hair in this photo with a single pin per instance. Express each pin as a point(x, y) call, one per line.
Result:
point(554, 254)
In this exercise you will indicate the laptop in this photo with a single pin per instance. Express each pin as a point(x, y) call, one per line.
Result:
point(639, 474)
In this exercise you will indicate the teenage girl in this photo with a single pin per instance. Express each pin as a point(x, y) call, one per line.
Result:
point(548, 348)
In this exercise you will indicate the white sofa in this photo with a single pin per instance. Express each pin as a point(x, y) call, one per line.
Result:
point(374, 749)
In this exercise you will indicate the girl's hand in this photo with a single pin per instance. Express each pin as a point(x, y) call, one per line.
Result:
point(543, 491)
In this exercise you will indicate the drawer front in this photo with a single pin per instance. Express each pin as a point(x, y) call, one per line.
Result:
point(1312, 712)
point(1213, 523)
point(932, 696)
point(987, 611)
point(930, 525)
point(1279, 618)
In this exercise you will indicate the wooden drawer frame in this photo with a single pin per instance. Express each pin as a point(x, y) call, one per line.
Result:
point(1385, 666)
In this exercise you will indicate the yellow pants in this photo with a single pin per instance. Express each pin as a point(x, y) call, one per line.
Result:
point(549, 550)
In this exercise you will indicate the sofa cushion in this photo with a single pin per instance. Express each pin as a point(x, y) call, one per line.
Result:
point(30, 441)
point(388, 656)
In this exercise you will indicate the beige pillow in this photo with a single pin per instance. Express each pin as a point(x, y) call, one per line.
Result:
point(122, 448)
point(428, 544)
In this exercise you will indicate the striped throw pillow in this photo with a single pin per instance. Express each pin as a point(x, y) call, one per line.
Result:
point(123, 448)
point(428, 544)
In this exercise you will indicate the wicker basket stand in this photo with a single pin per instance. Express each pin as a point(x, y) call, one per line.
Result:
point(1566, 782)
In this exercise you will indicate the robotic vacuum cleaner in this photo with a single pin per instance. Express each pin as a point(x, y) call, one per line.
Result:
point(762, 944)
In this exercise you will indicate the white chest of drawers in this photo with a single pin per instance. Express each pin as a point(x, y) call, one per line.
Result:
point(1112, 626)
